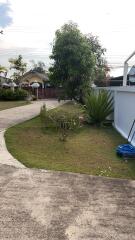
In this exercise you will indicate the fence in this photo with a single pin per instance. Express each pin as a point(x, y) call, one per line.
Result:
point(44, 93)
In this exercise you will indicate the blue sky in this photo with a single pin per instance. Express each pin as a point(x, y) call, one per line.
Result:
point(5, 18)
point(29, 27)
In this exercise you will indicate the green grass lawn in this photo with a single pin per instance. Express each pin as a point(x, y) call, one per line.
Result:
point(11, 104)
point(89, 150)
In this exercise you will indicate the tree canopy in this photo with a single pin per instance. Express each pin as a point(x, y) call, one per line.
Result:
point(19, 67)
point(77, 59)
point(39, 67)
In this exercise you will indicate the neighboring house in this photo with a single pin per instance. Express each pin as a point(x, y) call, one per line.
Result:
point(131, 75)
point(102, 83)
point(34, 76)
point(46, 90)
point(118, 81)
point(4, 80)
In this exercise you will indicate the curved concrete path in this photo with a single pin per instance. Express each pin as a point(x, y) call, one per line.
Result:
point(46, 205)
point(12, 116)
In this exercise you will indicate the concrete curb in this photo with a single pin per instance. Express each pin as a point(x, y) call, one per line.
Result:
point(5, 157)
point(11, 117)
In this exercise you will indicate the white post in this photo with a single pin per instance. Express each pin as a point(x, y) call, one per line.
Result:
point(36, 85)
point(37, 93)
point(125, 74)
point(115, 108)
point(126, 69)
point(12, 88)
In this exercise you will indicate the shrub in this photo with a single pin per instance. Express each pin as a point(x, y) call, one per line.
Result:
point(64, 122)
point(21, 94)
point(9, 95)
point(98, 106)
point(43, 113)
point(46, 117)
point(61, 120)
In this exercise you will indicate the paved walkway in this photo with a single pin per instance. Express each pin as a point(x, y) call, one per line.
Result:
point(12, 116)
point(16, 115)
point(47, 205)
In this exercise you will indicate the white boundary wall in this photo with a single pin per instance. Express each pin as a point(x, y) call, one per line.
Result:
point(124, 109)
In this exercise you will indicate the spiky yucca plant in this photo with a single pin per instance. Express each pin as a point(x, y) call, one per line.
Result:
point(98, 106)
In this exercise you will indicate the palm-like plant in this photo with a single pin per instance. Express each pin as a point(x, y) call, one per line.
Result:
point(98, 106)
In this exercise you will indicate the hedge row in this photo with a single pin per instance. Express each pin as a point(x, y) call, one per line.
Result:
point(9, 95)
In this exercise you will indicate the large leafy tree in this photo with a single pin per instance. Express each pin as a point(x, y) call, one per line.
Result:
point(19, 67)
point(100, 68)
point(75, 60)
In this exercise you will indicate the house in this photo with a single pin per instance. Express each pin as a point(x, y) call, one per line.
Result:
point(46, 90)
point(35, 76)
point(118, 81)
point(4, 80)
point(131, 75)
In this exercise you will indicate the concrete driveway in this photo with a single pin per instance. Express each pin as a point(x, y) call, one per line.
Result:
point(47, 205)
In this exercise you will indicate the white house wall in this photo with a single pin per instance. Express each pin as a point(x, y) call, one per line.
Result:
point(124, 112)
point(124, 109)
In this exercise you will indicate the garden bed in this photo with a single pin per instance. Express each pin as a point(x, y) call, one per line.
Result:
point(89, 149)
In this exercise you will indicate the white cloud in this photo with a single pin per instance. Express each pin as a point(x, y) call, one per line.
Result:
point(35, 23)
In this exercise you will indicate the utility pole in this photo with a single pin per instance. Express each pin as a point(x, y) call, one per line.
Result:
point(126, 69)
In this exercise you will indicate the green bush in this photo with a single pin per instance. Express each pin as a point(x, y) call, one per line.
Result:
point(21, 94)
point(43, 113)
point(6, 94)
point(98, 106)
point(10, 95)
point(61, 120)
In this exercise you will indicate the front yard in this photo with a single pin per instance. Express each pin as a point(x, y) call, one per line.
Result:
point(89, 150)
point(11, 104)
